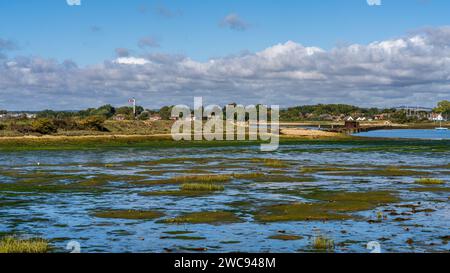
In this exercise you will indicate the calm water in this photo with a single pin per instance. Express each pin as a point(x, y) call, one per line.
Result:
point(414, 133)
point(66, 216)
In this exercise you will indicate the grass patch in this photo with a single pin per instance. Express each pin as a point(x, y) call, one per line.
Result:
point(176, 193)
point(188, 190)
point(248, 176)
point(282, 179)
point(316, 169)
point(430, 189)
point(15, 245)
point(177, 161)
point(230, 242)
point(275, 163)
point(201, 187)
point(220, 178)
point(286, 237)
point(12, 203)
point(129, 214)
point(322, 243)
point(390, 171)
point(181, 237)
point(206, 217)
point(353, 201)
point(55, 183)
point(178, 232)
point(430, 181)
point(269, 162)
point(331, 206)
point(298, 212)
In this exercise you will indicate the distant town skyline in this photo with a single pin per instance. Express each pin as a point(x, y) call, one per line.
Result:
point(70, 55)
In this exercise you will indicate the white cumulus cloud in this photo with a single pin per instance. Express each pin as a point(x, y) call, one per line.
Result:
point(131, 61)
point(413, 69)
point(73, 2)
point(374, 2)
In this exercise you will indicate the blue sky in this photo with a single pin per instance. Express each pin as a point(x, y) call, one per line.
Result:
point(286, 52)
point(89, 33)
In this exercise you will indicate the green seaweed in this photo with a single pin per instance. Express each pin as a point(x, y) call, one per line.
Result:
point(205, 217)
point(285, 237)
point(129, 214)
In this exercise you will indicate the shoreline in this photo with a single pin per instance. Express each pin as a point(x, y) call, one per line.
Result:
point(48, 143)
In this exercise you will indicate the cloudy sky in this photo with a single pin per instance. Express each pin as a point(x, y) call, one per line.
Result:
point(73, 54)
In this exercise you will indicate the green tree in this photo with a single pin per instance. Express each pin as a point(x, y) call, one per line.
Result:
point(144, 115)
point(106, 110)
point(443, 107)
point(166, 112)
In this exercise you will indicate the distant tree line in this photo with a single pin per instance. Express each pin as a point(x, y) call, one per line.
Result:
point(49, 121)
point(320, 110)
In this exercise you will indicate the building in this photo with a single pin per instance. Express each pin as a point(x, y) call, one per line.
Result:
point(351, 124)
point(155, 118)
point(379, 117)
point(436, 117)
point(119, 117)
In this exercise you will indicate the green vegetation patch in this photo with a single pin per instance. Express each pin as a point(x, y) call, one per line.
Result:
point(275, 178)
point(318, 169)
point(331, 206)
point(59, 184)
point(391, 171)
point(272, 178)
point(430, 181)
point(353, 201)
point(178, 232)
point(202, 187)
point(174, 161)
point(188, 190)
point(205, 217)
point(219, 178)
point(12, 203)
point(269, 162)
point(176, 193)
point(298, 212)
point(249, 176)
point(129, 214)
point(16, 245)
point(430, 189)
point(230, 242)
point(285, 237)
point(182, 237)
point(322, 243)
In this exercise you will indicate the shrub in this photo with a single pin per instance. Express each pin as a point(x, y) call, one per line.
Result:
point(65, 124)
point(2, 126)
point(44, 126)
point(21, 128)
point(144, 116)
point(95, 123)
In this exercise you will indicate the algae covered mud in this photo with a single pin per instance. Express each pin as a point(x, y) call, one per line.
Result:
point(309, 196)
